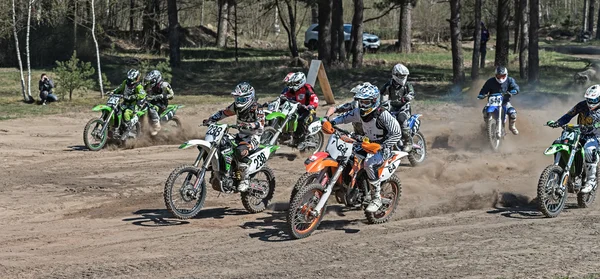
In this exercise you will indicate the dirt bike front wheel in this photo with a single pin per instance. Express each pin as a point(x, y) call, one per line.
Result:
point(550, 199)
point(93, 138)
point(180, 197)
point(418, 155)
point(301, 219)
point(492, 132)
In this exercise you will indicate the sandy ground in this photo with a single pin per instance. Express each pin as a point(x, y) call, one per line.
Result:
point(466, 213)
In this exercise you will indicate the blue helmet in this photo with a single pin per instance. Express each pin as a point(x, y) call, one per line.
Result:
point(367, 96)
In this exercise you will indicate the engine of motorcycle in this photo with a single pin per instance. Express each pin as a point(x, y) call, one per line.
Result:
point(222, 184)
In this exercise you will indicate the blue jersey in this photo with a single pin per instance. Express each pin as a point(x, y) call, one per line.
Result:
point(585, 116)
point(492, 86)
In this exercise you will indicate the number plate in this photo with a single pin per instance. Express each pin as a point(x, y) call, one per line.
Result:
point(567, 137)
point(495, 101)
point(112, 101)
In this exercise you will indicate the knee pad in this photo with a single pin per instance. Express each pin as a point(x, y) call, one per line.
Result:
point(239, 150)
point(591, 156)
point(512, 113)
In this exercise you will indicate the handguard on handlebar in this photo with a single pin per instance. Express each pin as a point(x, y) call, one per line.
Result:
point(371, 147)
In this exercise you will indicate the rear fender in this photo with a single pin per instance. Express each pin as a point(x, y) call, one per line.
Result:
point(274, 115)
point(202, 145)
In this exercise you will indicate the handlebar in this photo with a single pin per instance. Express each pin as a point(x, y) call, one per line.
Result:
point(234, 126)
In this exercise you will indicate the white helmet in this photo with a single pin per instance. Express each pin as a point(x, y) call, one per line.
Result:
point(592, 96)
point(400, 74)
point(244, 95)
point(295, 81)
point(501, 74)
point(367, 96)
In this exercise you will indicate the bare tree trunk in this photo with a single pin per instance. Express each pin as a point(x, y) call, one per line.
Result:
point(476, 42)
point(131, 16)
point(585, 17)
point(502, 39)
point(222, 26)
point(150, 17)
point(517, 20)
point(235, 29)
point(290, 26)
point(174, 45)
point(27, 47)
point(26, 97)
point(598, 26)
point(534, 26)
point(405, 31)
point(75, 18)
point(341, 35)
point(314, 13)
point(337, 30)
point(201, 12)
point(591, 16)
point(356, 36)
point(97, 50)
point(455, 35)
point(325, 31)
point(524, 40)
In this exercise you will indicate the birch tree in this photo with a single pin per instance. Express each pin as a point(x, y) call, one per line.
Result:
point(26, 97)
point(97, 49)
point(27, 47)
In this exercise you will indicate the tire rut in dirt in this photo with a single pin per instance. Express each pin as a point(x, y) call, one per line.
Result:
point(170, 185)
point(248, 199)
point(374, 217)
point(543, 195)
point(299, 203)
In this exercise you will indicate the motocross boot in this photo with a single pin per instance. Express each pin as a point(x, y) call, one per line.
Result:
point(376, 197)
point(407, 141)
point(512, 127)
point(590, 180)
point(155, 128)
point(244, 181)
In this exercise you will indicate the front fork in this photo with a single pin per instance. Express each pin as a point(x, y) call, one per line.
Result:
point(205, 166)
point(107, 122)
point(281, 127)
point(564, 180)
point(328, 190)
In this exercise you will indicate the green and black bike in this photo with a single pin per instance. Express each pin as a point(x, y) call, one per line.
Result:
point(566, 175)
point(111, 126)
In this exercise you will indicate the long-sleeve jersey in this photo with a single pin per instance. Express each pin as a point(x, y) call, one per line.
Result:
point(395, 95)
point(585, 116)
point(138, 91)
point(381, 128)
point(163, 88)
point(305, 95)
point(253, 117)
point(492, 86)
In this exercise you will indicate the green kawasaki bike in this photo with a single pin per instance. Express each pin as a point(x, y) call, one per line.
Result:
point(566, 175)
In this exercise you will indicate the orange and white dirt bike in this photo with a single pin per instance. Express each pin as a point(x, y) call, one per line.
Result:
point(339, 170)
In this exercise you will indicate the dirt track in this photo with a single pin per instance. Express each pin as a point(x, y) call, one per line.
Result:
point(68, 213)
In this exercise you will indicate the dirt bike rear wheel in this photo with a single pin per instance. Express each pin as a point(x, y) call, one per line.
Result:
point(386, 212)
point(546, 192)
point(416, 157)
point(267, 135)
point(305, 200)
point(492, 128)
point(190, 175)
point(255, 201)
point(90, 127)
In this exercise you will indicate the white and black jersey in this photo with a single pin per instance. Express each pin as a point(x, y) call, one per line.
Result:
point(381, 128)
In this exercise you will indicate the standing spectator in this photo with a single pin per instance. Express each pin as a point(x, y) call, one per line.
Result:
point(46, 85)
point(485, 36)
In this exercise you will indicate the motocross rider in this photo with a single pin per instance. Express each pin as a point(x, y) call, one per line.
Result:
point(400, 92)
point(344, 108)
point(502, 83)
point(588, 114)
point(160, 93)
point(251, 119)
point(298, 90)
point(134, 97)
point(379, 126)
